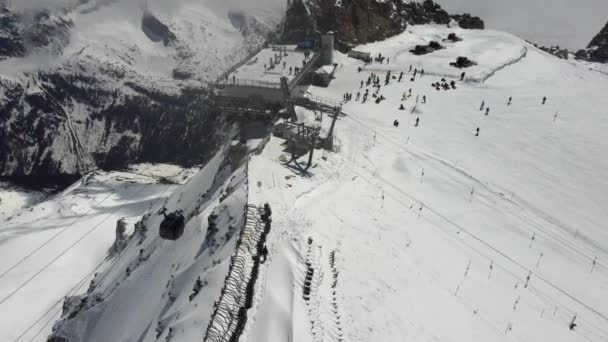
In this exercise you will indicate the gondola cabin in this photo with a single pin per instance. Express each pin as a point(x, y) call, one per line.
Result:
point(172, 227)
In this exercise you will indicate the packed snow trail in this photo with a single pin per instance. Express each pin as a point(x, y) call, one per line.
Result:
point(442, 235)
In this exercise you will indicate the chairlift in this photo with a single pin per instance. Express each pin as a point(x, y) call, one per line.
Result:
point(173, 225)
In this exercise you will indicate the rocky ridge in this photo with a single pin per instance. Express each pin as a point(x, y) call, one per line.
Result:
point(359, 21)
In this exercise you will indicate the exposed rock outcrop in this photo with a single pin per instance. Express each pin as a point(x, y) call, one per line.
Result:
point(156, 30)
point(597, 50)
point(467, 21)
point(361, 21)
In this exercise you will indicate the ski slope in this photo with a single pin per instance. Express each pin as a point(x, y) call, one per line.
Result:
point(54, 248)
point(435, 231)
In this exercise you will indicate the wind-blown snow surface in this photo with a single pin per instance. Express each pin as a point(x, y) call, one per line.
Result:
point(53, 248)
point(435, 231)
point(13, 199)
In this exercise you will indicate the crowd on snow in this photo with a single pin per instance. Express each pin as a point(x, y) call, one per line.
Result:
point(375, 83)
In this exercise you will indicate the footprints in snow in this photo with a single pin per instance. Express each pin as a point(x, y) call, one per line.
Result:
point(321, 297)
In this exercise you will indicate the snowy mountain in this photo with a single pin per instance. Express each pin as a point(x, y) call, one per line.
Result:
point(424, 231)
point(107, 83)
point(459, 204)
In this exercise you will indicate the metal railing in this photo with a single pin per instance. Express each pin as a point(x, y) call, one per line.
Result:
point(306, 69)
point(248, 83)
point(318, 101)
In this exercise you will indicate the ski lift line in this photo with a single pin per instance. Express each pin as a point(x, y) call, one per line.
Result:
point(488, 245)
point(45, 324)
point(21, 261)
point(527, 220)
point(559, 239)
point(517, 277)
point(538, 292)
point(52, 238)
point(79, 285)
point(67, 250)
point(73, 290)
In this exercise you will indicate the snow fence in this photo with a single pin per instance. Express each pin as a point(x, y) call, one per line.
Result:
point(230, 311)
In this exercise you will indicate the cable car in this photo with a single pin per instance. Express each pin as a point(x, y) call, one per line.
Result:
point(173, 225)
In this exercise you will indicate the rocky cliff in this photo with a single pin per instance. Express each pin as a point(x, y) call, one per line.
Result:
point(597, 50)
point(361, 21)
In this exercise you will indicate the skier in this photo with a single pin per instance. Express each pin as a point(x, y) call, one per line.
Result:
point(423, 98)
point(410, 91)
point(401, 107)
point(487, 111)
point(396, 123)
point(361, 85)
point(572, 325)
point(417, 122)
point(509, 103)
point(410, 68)
point(358, 96)
point(462, 76)
point(359, 69)
point(477, 134)
point(388, 60)
point(198, 285)
point(421, 72)
point(415, 72)
point(483, 104)
point(544, 99)
point(400, 76)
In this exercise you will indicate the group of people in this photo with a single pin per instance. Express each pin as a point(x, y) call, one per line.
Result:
point(278, 58)
point(348, 97)
point(443, 84)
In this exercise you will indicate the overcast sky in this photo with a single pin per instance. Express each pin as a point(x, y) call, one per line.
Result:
point(568, 23)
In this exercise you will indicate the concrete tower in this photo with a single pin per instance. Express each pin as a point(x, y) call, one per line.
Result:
point(327, 48)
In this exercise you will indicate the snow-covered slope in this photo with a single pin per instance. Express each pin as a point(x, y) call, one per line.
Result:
point(54, 248)
point(430, 233)
point(149, 290)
